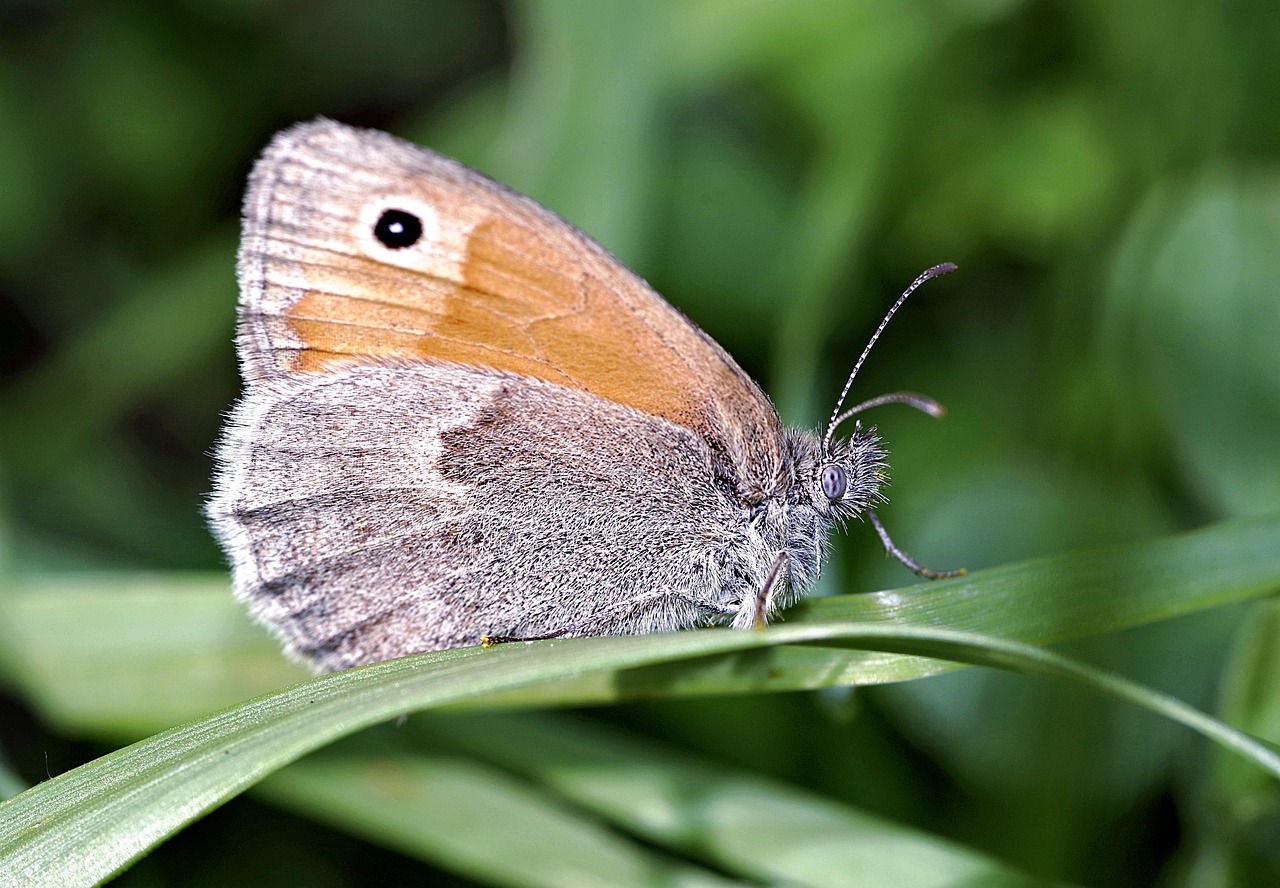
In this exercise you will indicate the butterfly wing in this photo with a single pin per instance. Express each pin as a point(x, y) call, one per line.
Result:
point(493, 281)
point(462, 416)
point(380, 510)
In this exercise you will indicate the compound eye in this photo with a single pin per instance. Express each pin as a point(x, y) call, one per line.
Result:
point(833, 482)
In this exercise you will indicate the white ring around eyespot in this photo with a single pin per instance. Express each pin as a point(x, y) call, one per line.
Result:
point(410, 256)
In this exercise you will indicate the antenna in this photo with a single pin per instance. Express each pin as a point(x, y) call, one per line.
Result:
point(929, 274)
point(923, 403)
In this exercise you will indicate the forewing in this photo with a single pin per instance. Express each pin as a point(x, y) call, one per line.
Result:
point(495, 281)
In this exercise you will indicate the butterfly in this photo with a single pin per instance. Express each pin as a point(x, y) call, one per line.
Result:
point(464, 421)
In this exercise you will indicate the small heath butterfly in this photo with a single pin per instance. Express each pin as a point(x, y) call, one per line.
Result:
point(465, 421)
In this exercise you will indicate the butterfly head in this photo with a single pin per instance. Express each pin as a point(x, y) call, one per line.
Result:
point(847, 475)
point(834, 479)
point(829, 484)
point(844, 476)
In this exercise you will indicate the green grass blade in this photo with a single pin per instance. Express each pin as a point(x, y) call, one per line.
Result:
point(759, 828)
point(472, 819)
point(86, 824)
point(132, 654)
point(1039, 601)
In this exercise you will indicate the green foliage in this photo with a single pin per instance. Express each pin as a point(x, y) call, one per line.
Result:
point(82, 826)
point(1106, 176)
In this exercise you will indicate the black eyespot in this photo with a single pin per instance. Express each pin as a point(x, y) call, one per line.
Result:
point(397, 229)
point(833, 482)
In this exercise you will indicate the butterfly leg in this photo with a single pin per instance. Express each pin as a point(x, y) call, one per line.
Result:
point(760, 610)
point(904, 557)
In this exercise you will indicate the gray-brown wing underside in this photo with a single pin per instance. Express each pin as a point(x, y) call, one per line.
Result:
point(389, 509)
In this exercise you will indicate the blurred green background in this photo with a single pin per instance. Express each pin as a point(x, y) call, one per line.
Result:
point(1107, 176)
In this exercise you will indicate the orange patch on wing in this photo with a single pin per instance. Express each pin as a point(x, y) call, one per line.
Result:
point(527, 305)
point(328, 343)
point(581, 328)
point(511, 265)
